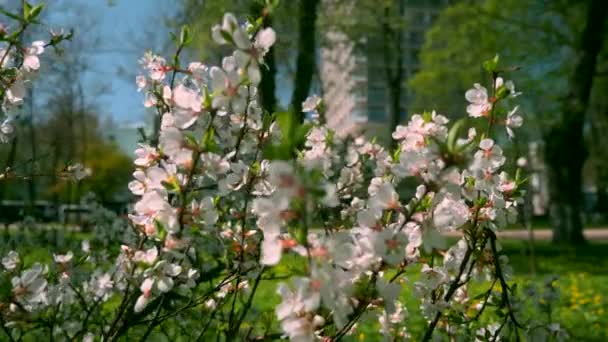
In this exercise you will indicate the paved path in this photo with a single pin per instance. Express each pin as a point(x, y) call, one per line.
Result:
point(600, 234)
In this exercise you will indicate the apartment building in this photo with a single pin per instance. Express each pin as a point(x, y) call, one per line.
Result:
point(353, 75)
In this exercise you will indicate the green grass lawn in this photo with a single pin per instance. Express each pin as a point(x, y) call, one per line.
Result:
point(543, 222)
point(582, 280)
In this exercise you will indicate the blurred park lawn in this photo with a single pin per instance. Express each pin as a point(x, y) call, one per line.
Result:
point(582, 281)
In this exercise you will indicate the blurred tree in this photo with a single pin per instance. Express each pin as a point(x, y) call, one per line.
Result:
point(557, 44)
point(305, 62)
point(110, 173)
point(565, 151)
point(61, 144)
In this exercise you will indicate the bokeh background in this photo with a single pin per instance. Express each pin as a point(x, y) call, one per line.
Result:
point(375, 63)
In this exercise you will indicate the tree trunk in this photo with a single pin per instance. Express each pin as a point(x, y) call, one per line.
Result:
point(565, 150)
point(395, 105)
point(268, 84)
point(31, 181)
point(599, 125)
point(392, 45)
point(8, 167)
point(305, 64)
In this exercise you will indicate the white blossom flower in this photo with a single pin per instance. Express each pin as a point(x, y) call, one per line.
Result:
point(77, 172)
point(31, 62)
point(295, 305)
point(30, 287)
point(450, 213)
point(311, 103)
point(228, 92)
point(11, 261)
point(144, 298)
point(16, 92)
point(7, 130)
point(63, 258)
point(251, 57)
point(514, 120)
point(480, 104)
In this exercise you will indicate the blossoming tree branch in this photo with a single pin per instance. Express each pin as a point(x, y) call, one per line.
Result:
point(232, 200)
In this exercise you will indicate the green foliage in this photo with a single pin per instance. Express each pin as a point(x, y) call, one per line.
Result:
point(111, 170)
point(293, 135)
point(30, 13)
point(530, 35)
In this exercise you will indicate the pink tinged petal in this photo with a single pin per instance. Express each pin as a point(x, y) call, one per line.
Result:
point(242, 58)
point(164, 284)
point(486, 144)
point(477, 95)
point(266, 38)
point(367, 218)
point(141, 82)
point(229, 64)
point(173, 270)
point(146, 285)
point(220, 101)
point(38, 47)
point(150, 101)
point(254, 74)
point(141, 303)
point(216, 34)
point(31, 62)
point(16, 93)
point(271, 251)
point(241, 40)
point(499, 82)
point(167, 93)
point(218, 79)
point(136, 187)
point(185, 118)
point(187, 98)
point(510, 132)
point(229, 22)
point(239, 104)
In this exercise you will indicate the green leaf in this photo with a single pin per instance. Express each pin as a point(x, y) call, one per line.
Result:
point(285, 122)
point(5, 288)
point(173, 38)
point(184, 37)
point(300, 134)
point(35, 12)
point(302, 235)
point(453, 134)
point(209, 143)
point(491, 64)
point(397, 154)
point(227, 37)
point(190, 139)
point(10, 15)
point(427, 116)
point(27, 8)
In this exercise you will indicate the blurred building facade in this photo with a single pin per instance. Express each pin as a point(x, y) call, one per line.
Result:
point(353, 76)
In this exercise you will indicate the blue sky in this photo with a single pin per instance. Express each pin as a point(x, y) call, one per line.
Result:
point(123, 29)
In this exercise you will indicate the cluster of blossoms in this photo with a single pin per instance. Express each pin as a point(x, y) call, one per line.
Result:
point(229, 196)
point(19, 65)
